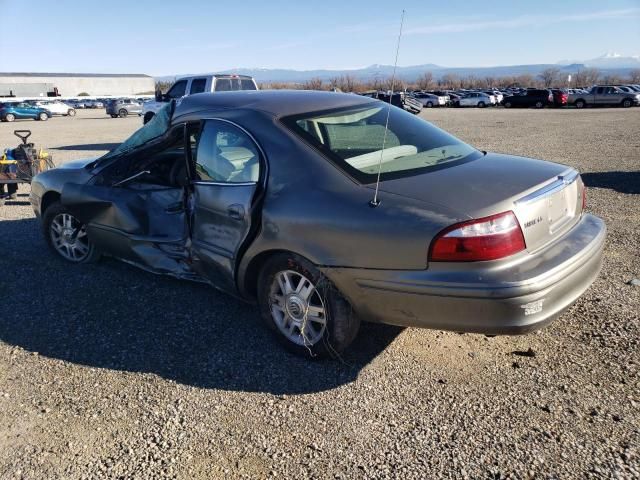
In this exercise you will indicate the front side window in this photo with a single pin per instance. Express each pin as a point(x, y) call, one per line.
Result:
point(353, 139)
point(178, 90)
point(226, 154)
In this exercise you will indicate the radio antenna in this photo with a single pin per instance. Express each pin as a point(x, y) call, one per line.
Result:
point(375, 202)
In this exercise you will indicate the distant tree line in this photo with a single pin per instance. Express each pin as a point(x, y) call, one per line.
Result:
point(548, 78)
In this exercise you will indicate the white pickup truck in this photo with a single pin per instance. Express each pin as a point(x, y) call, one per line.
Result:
point(198, 84)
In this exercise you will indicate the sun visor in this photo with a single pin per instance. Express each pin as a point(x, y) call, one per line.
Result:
point(155, 128)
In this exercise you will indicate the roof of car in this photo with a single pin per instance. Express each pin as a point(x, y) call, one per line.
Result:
point(278, 103)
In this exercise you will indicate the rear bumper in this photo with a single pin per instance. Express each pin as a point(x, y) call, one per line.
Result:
point(513, 298)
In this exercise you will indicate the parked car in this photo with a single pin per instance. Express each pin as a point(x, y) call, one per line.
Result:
point(604, 95)
point(93, 104)
point(10, 111)
point(198, 84)
point(560, 97)
point(538, 98)
point(398, 99)
point(476, 99)
point(271, 196)
point(123, 107)
point(499, 96)
point(429, 100)
point(76, 104)
point(56, 107)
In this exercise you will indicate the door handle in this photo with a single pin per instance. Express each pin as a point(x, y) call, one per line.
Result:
point(236, 211)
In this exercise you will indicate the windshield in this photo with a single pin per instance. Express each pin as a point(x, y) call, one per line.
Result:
point(354, 138)
point(156, 127)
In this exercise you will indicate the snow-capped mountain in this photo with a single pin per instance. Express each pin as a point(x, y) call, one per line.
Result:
point(608, 60)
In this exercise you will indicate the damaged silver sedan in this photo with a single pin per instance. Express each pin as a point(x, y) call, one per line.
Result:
point(274, 197)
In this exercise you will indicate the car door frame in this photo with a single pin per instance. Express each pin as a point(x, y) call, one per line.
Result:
point(109, 213)
point(229, 284)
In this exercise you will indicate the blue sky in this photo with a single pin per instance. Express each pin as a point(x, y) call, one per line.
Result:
point(190, 36)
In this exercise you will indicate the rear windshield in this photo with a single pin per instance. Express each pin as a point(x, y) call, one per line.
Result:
point(353, 138)
point(231, 84)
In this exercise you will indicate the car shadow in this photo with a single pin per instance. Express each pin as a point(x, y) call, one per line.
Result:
point(88, 146)
point(112, 315)
point(623, 182)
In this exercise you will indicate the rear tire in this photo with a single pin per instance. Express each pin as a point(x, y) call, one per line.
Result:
point(539, 105)
point(43, 117)
point(9, 117)
point(626, 103)
point(295, 297)
point(429, 105)
point(71, 112)
point(580, 104)
point(122, 113)
point(507, 104)
point(481, 105)
point(57, 223)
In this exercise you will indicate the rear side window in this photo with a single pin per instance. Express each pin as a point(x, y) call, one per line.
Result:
point(226, 154)
point(198, 85)
point(353, 139)
point(247, 84)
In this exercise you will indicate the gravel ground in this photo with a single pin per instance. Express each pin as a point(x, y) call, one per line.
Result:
point(110, 372)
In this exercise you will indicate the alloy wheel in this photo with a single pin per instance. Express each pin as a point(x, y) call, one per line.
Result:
point(297, 308)
point(69, 237)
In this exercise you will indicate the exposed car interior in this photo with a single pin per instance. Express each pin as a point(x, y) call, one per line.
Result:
point(220, 152)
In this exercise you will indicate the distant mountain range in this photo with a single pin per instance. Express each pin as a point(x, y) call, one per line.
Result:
point(608, 60)
point(610, 63)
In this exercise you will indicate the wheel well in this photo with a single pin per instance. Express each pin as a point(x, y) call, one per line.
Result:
point(48, 199)
point(148, 116)
point(253, 270)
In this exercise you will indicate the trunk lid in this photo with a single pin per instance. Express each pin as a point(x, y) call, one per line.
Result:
point(545, 197)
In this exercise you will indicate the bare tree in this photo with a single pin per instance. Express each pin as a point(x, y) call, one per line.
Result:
point(313, 84)
point(425, 81)
point(587, 77)
point(550, 77)
point(612, 79)
point(634, 75)
point(450, 80)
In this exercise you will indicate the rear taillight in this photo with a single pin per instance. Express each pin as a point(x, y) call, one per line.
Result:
point(488, 238)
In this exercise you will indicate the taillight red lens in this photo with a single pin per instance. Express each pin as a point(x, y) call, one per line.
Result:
point(488, 238)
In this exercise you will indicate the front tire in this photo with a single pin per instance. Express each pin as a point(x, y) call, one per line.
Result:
point(481, 105)
point(71, 112)
point(429, 105)
point(43, 117)
point(122, 113)
point(9, 117)
point(626, 103)
point(539, 105)
point(580, 104)
point(304, 309)
point(67, 236)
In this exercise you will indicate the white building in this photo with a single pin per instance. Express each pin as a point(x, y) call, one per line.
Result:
point(72, 84)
